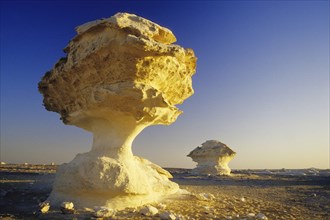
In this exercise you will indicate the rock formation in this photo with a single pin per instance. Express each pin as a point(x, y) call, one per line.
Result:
point(120, 75)
point(212, 158)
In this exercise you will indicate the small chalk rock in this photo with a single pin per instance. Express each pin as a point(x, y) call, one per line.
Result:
point(261, 216)
point(167, 216)
point(149, 210)
point(44, 207)
point(86, 209)
point(205, 196)
point(243, 199)
point(67, 208)
point(210, 196)
point(103, 212)
point(161, 206)
point(251, 215)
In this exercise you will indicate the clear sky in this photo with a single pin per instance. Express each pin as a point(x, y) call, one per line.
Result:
point(261, 87)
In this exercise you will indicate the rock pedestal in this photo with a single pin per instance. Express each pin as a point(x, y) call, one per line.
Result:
point(212, 158)
point(120, 75)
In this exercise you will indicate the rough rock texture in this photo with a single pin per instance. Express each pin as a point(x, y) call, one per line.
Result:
point(212, 158)
point(44, 207)
point(67, 208)
point(120, 75)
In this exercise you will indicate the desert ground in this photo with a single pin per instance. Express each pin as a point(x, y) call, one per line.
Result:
point(247, 194)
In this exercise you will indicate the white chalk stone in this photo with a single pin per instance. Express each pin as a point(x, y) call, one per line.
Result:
point(103, 212)
point(149, 210)
point(44, 207)
point(204, 196)
point(261, 216)
point(212, 158)
point(161, 206)
point(86, 209)
point(67, 207)
point(251, 215)
point(209, 196)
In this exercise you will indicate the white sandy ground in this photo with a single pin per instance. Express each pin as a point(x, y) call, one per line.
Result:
point(278, 194)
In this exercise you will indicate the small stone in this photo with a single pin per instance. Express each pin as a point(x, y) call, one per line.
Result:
point(243, 199)
point(44, 207)
point(251, 215)
point(67, 205)
point(161, 206)
point(149, 210)
point(210, 196)
point(67, 208)
point(205, 196)
point(261, 216)
point(88, 209)
point(103, 212)
point(167, 216)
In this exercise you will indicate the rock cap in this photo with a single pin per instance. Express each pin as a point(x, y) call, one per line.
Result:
point(124, 64)
point(134, 25)
point(216, 147)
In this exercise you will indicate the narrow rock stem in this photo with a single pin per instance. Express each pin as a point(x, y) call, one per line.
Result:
point(114, 136)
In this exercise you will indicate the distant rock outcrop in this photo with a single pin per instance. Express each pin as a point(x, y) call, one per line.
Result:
point(120, 75)
point(212, 158)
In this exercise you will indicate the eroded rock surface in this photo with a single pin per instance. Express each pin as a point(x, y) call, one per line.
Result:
point(120, 75)
point(212, 158)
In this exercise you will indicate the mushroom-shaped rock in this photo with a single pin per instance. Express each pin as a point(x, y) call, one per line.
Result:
point(212, 158)
point(120, 75)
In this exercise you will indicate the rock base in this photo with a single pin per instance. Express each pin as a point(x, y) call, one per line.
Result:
point(211, 170)
point(92, 180)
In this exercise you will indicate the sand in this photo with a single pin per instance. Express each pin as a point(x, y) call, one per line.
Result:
point(241, 196)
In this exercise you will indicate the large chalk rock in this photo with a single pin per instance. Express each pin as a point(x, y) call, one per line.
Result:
point(212, 158)
point(120, 75)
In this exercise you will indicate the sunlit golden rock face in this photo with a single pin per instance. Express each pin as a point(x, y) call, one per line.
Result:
point(123, 64)
point(212, 158)
point(120, 75)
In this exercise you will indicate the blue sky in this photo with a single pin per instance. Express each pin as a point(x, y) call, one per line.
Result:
point(261, 87)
